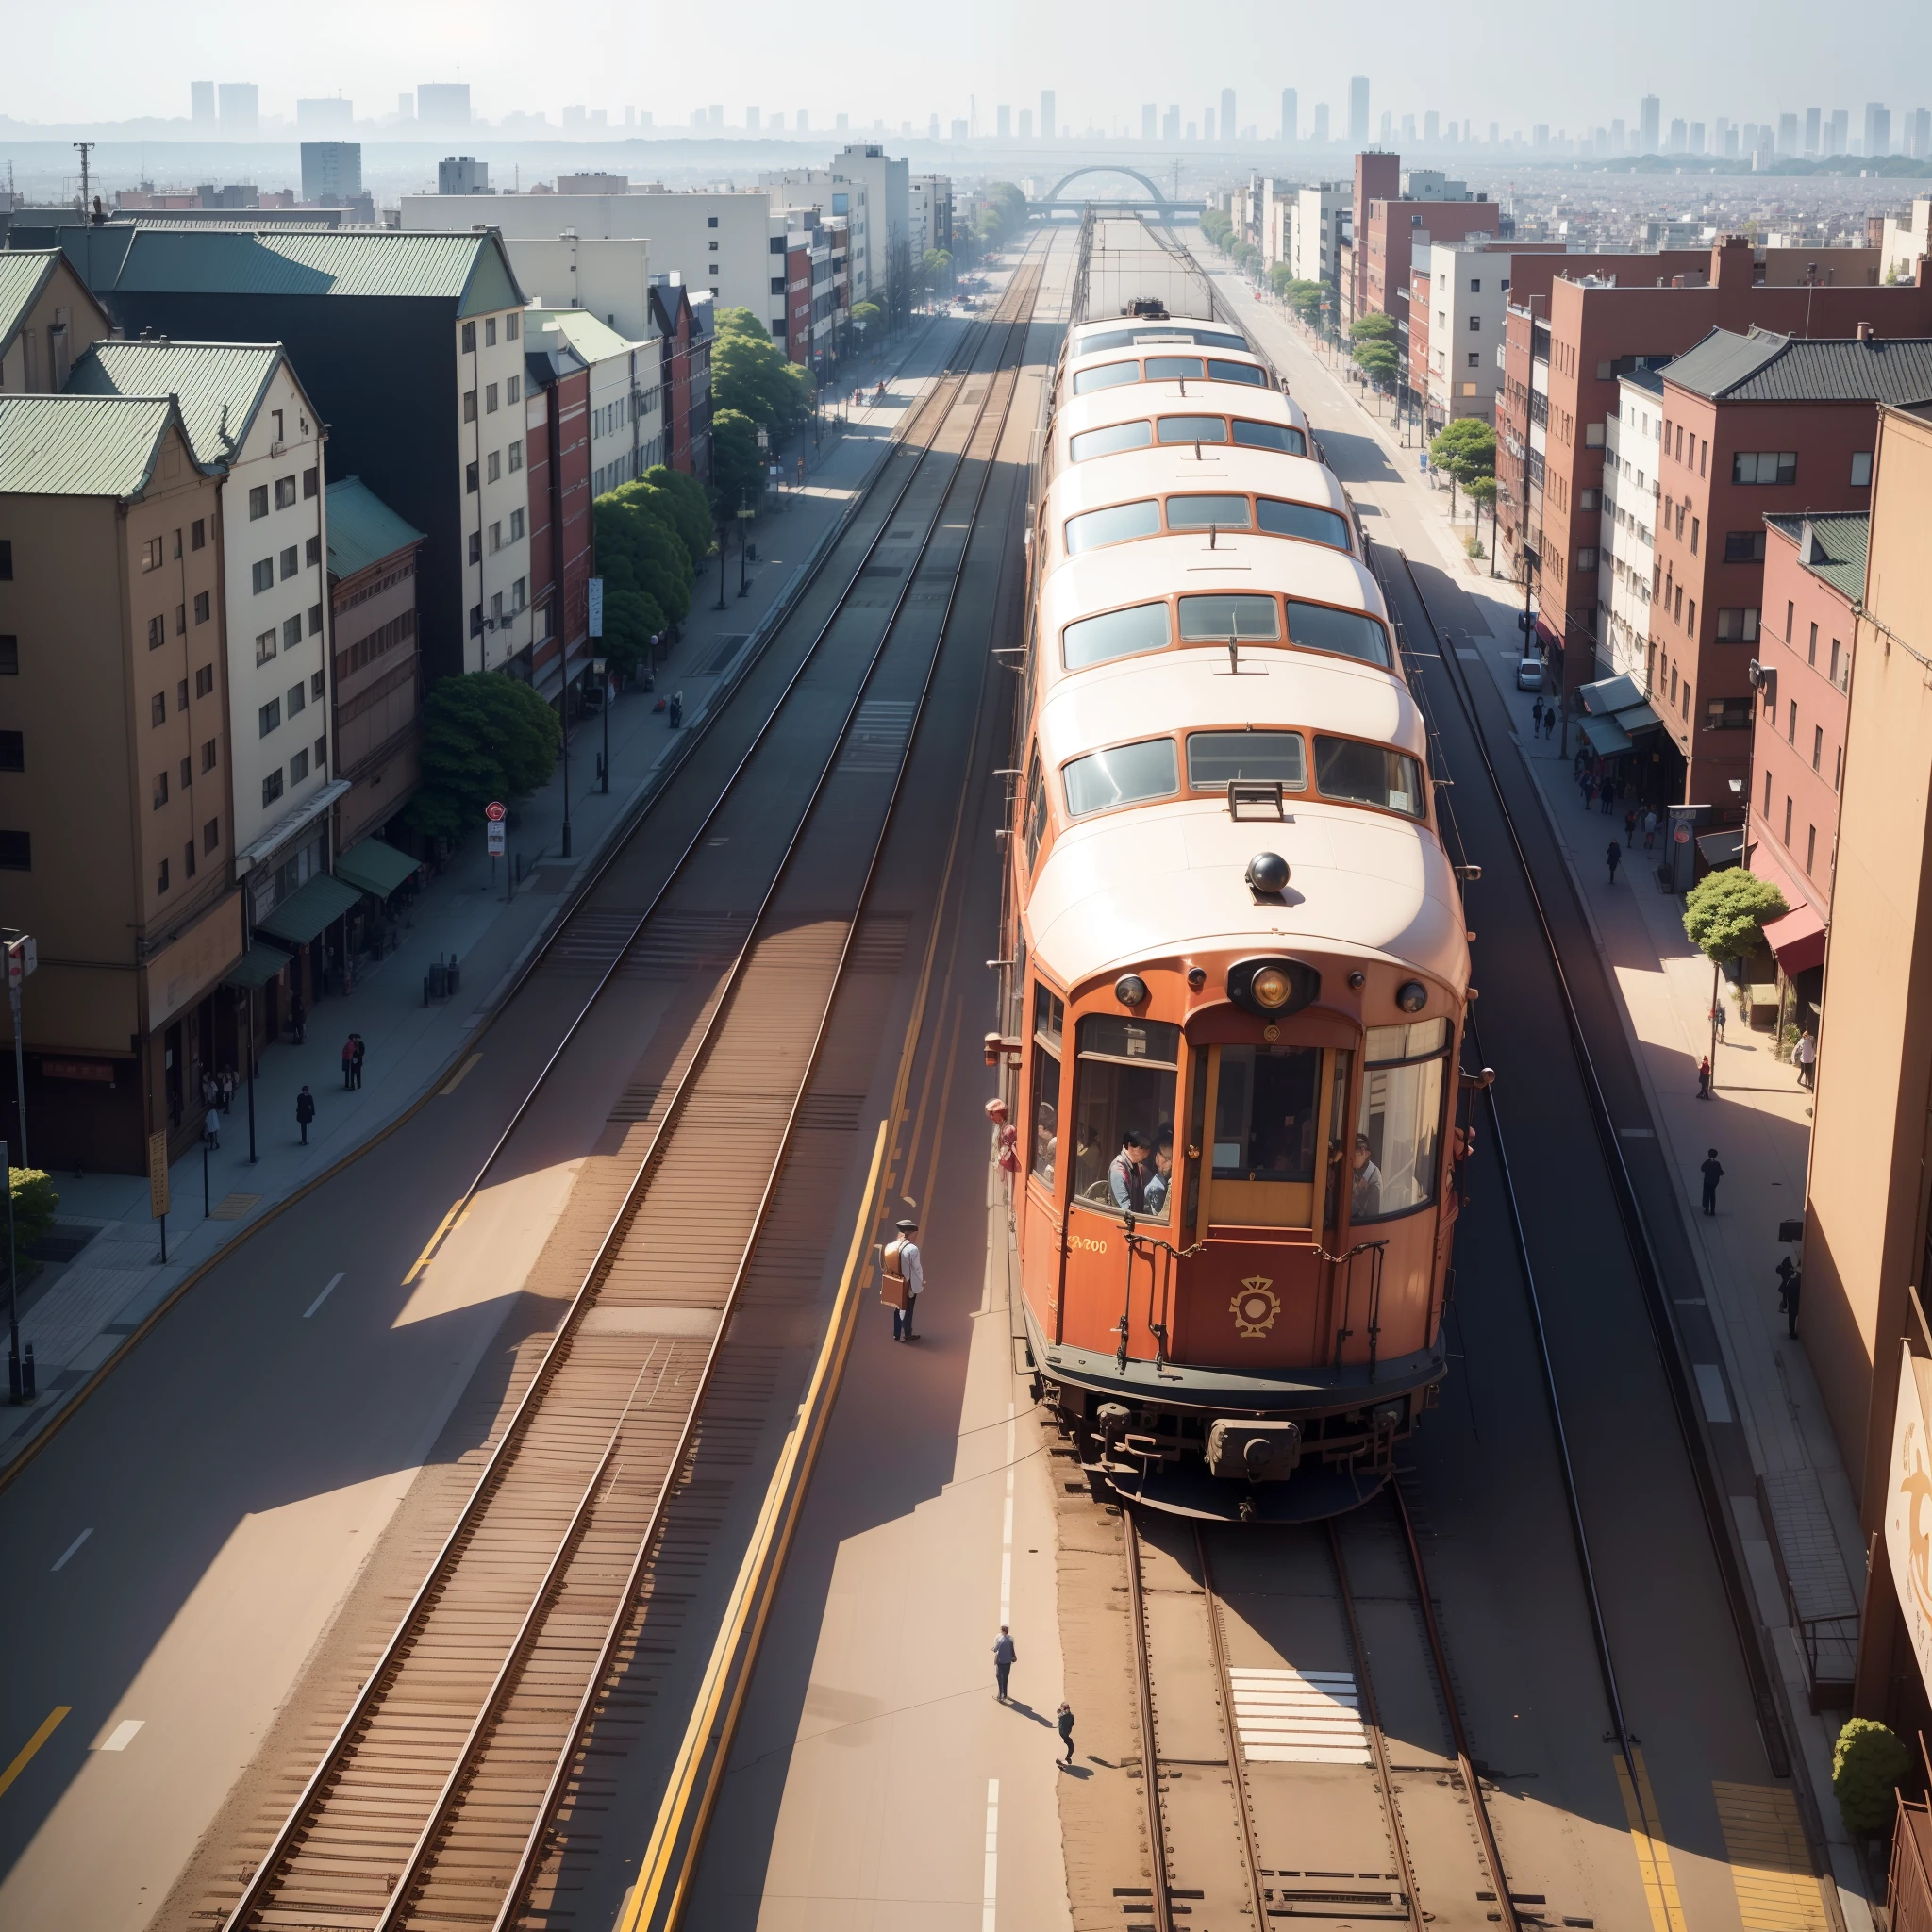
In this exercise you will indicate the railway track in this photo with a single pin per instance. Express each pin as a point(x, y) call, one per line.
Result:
point(451, 1791)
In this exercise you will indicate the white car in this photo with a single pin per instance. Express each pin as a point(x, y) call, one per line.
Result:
point(1529, 675)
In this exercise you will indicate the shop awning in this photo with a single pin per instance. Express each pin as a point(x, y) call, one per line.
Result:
point(1605, 734)
point(374, 867)
point(1639, 718)
point(302, 917)
point(1719, 849)
point(1798, 939)
point(1607, 696)
point(256, 967)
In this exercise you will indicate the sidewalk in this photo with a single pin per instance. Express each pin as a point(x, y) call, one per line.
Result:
point(81, 1309)
point(1804, 1515)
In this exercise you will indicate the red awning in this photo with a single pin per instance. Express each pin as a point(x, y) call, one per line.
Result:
point(1797, 939)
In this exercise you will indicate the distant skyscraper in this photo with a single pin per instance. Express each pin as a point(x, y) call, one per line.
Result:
point(751, 120)
point(1839, 131)
point(1150, 113)
point(1496, 133)
point(406, 107)
point(841, 124)
point(1812, 118)
point(201, 95)
point(932, 127)
point(1227, 123)
point(240, 110)
point(331, 170)
point(1680, 134)
point(1919, 134)
point(1617, 136)
point(1358, 109)
point(1877, 128)
point(1026, 124)
point(959, 130)
point(1003, 122)
point(1697, 137)
point(1432, 127)
point(1290, 116)
point(1171, 125)
point(443, 103)
point(1787, 134)
point(1322, 125)
point(1046, 113)
point(1650, 121)
point(1388, 136)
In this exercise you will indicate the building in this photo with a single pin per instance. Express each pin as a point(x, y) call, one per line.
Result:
point(625, 395)
point(1753, 425)
point(1633, 454)
point(929, 214)
point(1577, 324)
point(1377, 178)
point(1866, 1227)
point(457, 174)
point(815, 285)
point(332, 172)
point(48, 318)
point(1385, 253)
point(1459, 298)
point(201, 100)
point(557, 416)
point(1320, 225)
point(1046, 123)
point(1358, 110)
point(241, 110)
point(1228, 120)
point(1649, 124)
point(443, 103)
point(1905, 240)
point(114, 830)
point(376, 678)
point(681, 323)
point(411, 346)
point(881, 221)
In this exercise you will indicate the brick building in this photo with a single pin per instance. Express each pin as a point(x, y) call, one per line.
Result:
point(558, 429)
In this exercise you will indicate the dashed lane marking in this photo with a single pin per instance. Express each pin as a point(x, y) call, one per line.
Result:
point(123, 1734)
point(1298, 1717)
point(73, 1548)
point(1771, 1862)
point(328, 1288)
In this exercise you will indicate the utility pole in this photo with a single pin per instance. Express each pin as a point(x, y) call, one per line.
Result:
point(84, 148)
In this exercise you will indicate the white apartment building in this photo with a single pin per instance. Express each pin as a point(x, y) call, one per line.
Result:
point(1906, 238)
point(929, 213)
point(626, 392)
point(490, 380)
point(1280, 200)
point(250, 421)
point(588, 251)
point(1633, 454)
point(1323, 217)
point(1469, 297)
point(873, 191)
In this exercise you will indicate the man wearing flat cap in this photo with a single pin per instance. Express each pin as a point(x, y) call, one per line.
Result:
point(903, 1276)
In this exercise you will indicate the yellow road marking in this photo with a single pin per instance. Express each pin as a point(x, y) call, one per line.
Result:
point(446, 1226)
point(1770, 1861)
point(1653, 1854)
point(25, 1756)
point(458, 1078)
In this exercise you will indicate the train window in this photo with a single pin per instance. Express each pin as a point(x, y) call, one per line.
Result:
point(1236, 372)
point(1123, 775)
point(1368, 774)
point(1215, 759)
point(1049, 1015)
point(1322, 628)
point(1105, 442)
point(1214, 620)
point(1123, 1094)
point(1279, 436)
point(1117, 634)
point(1118, 525)
point(1035, 806)
point(1108, 376)
point(1193, 430)
point(1104, 338)
point(1199, 513)
point(1303, 520)
point(1173, 367)
point(1393, 1165)
point(1264, 1113)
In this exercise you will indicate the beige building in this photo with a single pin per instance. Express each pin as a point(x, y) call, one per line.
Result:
point(48, 317)
point(1866, 1224)
point(116, 834)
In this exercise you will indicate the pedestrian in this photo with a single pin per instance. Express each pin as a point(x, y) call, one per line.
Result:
point(1703, 1078)
point(1588, 791)
point(1607, 795)
point(305, 1113)
point(1805, 1055)
point(1791, 1279)
point(1536, 718)
point(298, 1020)
point(349, 1062)
point(1713, 1172)
point(1615, 856)
point(227, 1088)
point(1630, 828)
point(1649, 830)
point(1550, 721)
point(1717, 1019)
point(211, 1126)
point(356, 1060)
point(1063, 1721)
point(1004, 1658)
point(904, 1268)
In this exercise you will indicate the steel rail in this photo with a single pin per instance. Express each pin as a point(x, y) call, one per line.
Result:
point(1150, 1754)
point(1649, 1272)
point(535, 1844)
point(265, 1874)
point(1251, 1857)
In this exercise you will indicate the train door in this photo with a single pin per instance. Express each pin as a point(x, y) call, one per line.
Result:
point(1272, 1115)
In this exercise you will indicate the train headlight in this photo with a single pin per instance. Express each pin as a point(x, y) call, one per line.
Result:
point(1272, 988)
point(1412, 996)
point(1130, 989)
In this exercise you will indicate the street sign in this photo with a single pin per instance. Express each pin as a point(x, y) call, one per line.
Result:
point(23, 956)
point(1682, 835)
point(495, 812)
point(157, 1177)
point(596, 607)
point(495, 829)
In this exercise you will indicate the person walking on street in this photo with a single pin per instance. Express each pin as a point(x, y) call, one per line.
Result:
point(349, 1062)
point(1630, 828)
point(1649, 830)
point(902, 1260)
point(211, 1128)
point(1713, 1172)
point(1550, 721)
point(356, 1060)
point(1717, 1019)
point(1805, 1055)
point(1703, 1078)
point(1615, 855)
point(305, 1113)
point(1791, 1278)
point(1063, 1721)
point(1004, 1658)
point(1536, 718)
point(1608, 796)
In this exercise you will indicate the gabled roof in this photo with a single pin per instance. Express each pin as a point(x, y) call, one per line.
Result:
point(470, 270)
point(219, 385)
point(594, 340)
point(22, 274)
point(1766, 367)
point(362, 529)
point(66, 445)
point(1838, 542)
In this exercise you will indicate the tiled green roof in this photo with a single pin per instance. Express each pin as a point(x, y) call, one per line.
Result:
point(220, 385)
point(61, 445)
point(22, 273)
point(1841, 538)
point(362, 529)
point(592, 340)
point(471, 269)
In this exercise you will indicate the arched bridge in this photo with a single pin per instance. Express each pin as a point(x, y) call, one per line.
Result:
point(1057, 201)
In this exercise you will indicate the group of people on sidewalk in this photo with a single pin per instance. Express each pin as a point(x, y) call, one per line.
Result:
point(1004, 1658)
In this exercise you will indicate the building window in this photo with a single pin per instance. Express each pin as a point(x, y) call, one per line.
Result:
point(1726, 714)
point(187, 859)
point(468, 406)
point(1787, 822)
point(1791, 724)
point(495, 537)
point(285, 492)
point(291, 632)
point(257, 502)
point(210, 753)
point(1589, 499)
point(312, 554)
point(161, 789)
point(161, 876)
point(1861, 478)
point(1738, 626)
point(470, 478)
point(496, 608)
point(158, 708)
point(298, 767)
point(510, 333)
point(262, 574)
point(1765, 466)
point(1812, 650)
point(1816, 746)
point(197, 534)
point(211, 835)
point(495, 466)
point(272, 787)
point(519, 594)
point(489, 331)
point(151, 555)
point(516, 525)
point(315, 687)
point(292, 561)
point(469, 338)
point(475, 619)
point(1767, 795)
point(475, 546)
point(181, 695)
point(516, 454)
point(298, 698)
point(315, 620)
point(265, 646)
point(270, 716)
point(156, 632)
point(321, 754)
point(204, 681)
point(201, 607)
point(1586, 559)
point(311, 482)
point(489, 400)
point(514, 389)
point(1744, 546)
point(12, 751)
point(16, 851)
point(9, 655)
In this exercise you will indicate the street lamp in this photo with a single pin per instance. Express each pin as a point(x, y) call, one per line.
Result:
point(600, 669)
point(744, 517)
point(723, 603)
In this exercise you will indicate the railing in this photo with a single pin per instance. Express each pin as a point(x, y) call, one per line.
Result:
point(1908, 1891)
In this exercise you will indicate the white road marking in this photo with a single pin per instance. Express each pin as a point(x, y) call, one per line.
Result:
point(1298, 1717)
point(123, 1734)
point(990, 1890)
point(323, 1296)
point(1710, 1385)
point(72, 1547)
point(1006, 1530)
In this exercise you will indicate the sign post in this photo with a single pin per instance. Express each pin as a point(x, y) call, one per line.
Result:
point(157, 1186)
point(600, 669)
point(493, 816)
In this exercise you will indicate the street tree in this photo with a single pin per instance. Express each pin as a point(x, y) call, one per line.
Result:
point(751, 373)
point(1465, 450)
point(1378, 362)
point(737, 465)
point(647, 569)
point(1371, 328)
point(1002, 213)
point(1726, 914)
point(485, 735)
point(682, 501)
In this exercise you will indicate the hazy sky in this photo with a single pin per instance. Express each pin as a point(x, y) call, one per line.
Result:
point(1569, 66)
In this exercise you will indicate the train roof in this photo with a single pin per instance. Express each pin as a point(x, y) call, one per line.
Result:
point(1215, 339)
point(1130, 888)
point(1137, 402)
point(1079, 367)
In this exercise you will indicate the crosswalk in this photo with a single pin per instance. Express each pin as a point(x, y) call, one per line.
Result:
point(1298, 1717)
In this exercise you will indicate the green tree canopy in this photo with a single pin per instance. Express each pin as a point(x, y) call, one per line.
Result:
point(1216, 226)
point(485, 736)
point(867, 312)
point(737, 465)
point(1726, 911)
point(1466, 448)
point(751, 373)
point(34, 1202)
point(1372, 328)
point(1867, 1764)
point(1481, 489)
point(647, 569)
point(1377, 361)
point(1001, 214)
point(683, 501)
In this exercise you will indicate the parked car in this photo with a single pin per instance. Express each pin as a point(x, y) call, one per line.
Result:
point(1529, 675)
